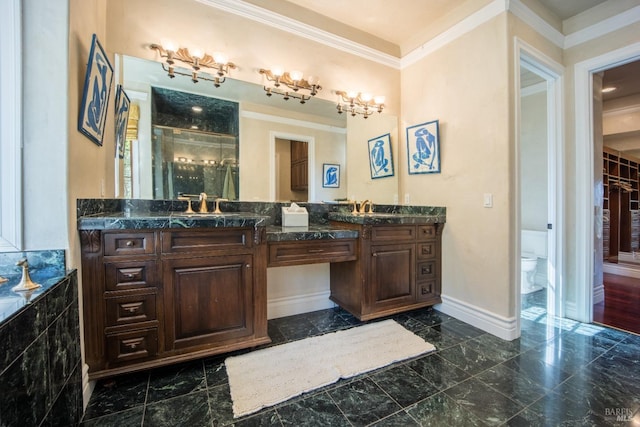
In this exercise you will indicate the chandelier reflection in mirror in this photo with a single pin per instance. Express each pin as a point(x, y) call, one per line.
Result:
point(193, 64)
point(364, 104)
point(290, 84)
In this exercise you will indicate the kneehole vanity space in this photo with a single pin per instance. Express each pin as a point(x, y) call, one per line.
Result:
point(161, 287)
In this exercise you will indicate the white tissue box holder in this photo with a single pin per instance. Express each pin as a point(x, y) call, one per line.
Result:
point(295, 219)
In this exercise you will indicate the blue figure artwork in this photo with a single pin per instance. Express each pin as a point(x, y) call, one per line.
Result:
point(378, 159)
point(380, 156)
point(330, 176)
point(122, 116)
point(95, 95)
point(97, 105)
point(424, 156)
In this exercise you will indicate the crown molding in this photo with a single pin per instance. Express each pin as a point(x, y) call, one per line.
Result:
point(603, 27)
point(274, 20)
point(540, 25)
point(469, 23)
point(533, 89)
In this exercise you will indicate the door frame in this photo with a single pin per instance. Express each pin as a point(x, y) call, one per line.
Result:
point(526, 56)
point(585, 177)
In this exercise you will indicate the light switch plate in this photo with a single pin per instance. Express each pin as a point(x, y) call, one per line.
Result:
point(488, 200)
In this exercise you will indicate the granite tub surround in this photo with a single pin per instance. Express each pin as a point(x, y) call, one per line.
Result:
point(40, 366)
point(46, 268)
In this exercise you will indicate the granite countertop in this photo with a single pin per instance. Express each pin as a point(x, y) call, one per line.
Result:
point(276, 233)
point(377, 218)
point(146, 220)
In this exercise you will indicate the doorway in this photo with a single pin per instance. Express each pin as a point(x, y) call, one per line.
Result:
point(589, 186)
point(539, 166)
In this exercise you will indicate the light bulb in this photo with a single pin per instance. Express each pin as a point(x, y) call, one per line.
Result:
point(277, 70)
point(197, 53)
point(296, 75)
point(313, 80)
point(352, 94)
point(379, 100)
point(220, 58)
point(169, 45)
point(366, 97)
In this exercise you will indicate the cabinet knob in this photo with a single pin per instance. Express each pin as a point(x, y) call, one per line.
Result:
point(129, 243)
point(374, 254)
point(129, 275)
point(248, 265)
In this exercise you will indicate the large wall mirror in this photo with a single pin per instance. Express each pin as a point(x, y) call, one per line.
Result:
point(275, 152)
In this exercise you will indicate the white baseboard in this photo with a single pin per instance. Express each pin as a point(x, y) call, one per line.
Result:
point(570, 310)
point(621, 270)
point(87, 386)
point(288, 306)
point(502, 327)
point(598, 294)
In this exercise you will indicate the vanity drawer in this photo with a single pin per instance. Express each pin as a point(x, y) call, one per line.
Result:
point(129, 243)
point(130, 275)
point(128, 309)
point(203, 240)
point(427, 250)
point(393, 233)
point(426, 270)
point(311, 252)
point(426, 290)
point(426, 232)
point(132, 346)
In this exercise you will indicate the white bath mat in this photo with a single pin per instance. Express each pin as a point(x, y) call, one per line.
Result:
point(266, 377)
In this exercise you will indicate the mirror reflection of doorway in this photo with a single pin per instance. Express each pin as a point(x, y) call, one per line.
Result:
point(617, 140)
point(292, 169)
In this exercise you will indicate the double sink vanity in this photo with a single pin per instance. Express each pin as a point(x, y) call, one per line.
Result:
point(160, 286)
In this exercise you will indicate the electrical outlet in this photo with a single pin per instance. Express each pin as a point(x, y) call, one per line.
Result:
point(407, 199)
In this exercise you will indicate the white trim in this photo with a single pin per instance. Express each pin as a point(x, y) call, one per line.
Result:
point(584, 148)
point(500, 326)
point(620, 270)
point(87, 385)
point(469, 23)
point(533, 89)
point(11, 238)
point(540, 25)
point(300, 29)
point(311, 155)
point(293, 122)
point(528, 57)
point(603, 27)
point(289, 306)
point(598, 294)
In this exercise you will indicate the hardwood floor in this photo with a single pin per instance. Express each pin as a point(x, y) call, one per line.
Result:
point(621, 306)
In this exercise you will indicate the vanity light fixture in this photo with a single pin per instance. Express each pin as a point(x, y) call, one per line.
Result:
point(194, 62)
point(364, 104)
point(290, 84)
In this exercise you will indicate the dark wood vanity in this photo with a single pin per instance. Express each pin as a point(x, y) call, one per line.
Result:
point(397, 269)
point(159, 289)
point(154, 297)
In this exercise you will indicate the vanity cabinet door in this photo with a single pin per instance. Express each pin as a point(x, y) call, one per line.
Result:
point(391, 276)
point(208, 301)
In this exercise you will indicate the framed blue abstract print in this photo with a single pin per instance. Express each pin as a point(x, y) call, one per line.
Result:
point(122, 116)
point(380, 156)
point(423, 148)
point(95, 97)
point(330, 175)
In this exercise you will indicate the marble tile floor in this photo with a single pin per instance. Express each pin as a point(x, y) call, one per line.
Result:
point(559, 373)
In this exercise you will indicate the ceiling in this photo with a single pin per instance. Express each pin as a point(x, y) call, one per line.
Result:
point(398, 21)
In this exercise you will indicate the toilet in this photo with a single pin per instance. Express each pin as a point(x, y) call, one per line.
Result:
point(528, 263)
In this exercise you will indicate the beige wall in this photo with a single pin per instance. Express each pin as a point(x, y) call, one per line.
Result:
point(466, 87)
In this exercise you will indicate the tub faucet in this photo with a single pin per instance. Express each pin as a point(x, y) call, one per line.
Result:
point(25, 283)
